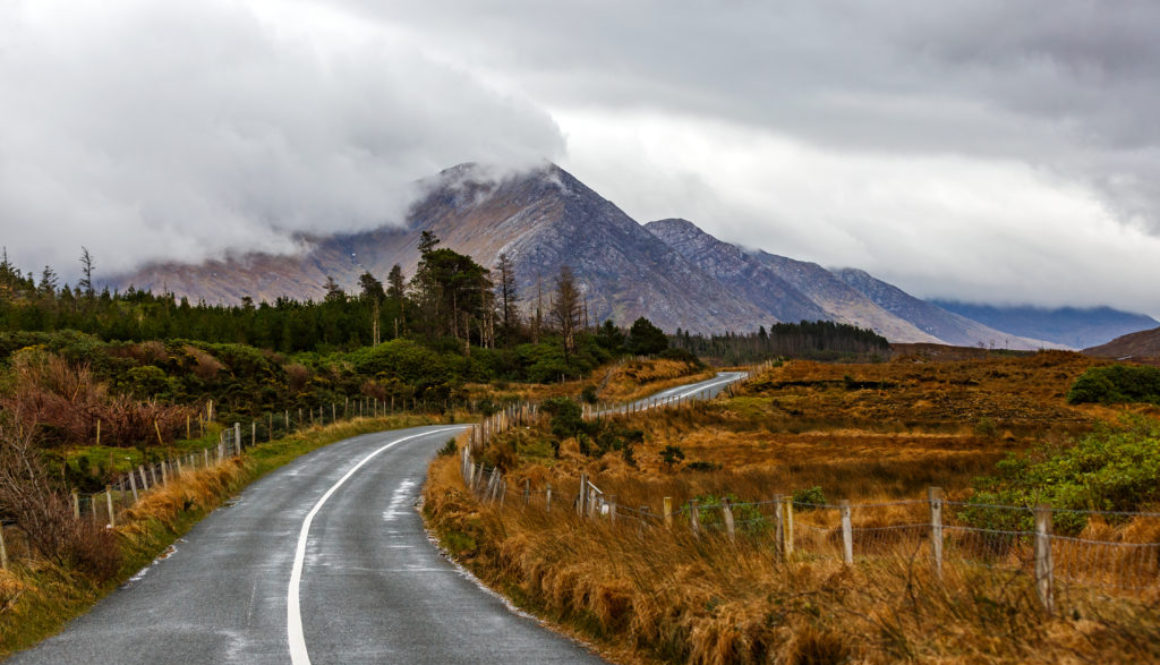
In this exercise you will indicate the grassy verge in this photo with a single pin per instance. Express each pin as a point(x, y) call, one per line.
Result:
point(37, 598)
point(666, 596)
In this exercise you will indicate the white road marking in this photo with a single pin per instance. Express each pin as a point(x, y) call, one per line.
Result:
point(294, 634)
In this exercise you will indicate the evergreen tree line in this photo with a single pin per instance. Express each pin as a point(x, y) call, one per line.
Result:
point(820, 340)
point(451, 301)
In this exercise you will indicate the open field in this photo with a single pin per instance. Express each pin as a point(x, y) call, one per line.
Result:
point(878, 433)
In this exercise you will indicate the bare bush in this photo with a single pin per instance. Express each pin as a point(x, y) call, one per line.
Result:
point(296, 377)
point(43, 512)
point(65, 402)
point(26, 495)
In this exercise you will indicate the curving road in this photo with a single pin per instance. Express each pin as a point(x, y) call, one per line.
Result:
point(323, 561)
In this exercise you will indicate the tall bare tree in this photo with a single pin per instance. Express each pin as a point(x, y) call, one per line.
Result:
point(508, 297)
point(86, 283)
point(566, 308)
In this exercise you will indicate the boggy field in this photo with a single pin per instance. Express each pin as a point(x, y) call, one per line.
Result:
point(875, 432)
point(859, 431)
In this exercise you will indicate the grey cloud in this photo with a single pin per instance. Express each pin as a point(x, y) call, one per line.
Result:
point(184, 130)
point(1069, 85)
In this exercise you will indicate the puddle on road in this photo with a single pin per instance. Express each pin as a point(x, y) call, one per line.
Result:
point(169, 552)
point(399, 501)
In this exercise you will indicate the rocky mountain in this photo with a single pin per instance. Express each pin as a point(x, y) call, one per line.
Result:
point(543, 220)
point(1142, 344)
point(952, 328)
point(786, 289)
point(736, 268)
point(670, 271)
point(1070, 326)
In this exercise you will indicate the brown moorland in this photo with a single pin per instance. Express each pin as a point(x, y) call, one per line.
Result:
point(874, 432)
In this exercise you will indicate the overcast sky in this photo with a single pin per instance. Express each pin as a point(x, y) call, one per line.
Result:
point(992, 151)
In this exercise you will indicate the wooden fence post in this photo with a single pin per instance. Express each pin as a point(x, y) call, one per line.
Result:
point(109, 505)
point(935, 497)
point(582, 500)
point(133, 484)
point(238, 438)
point(548, 499)
point(76, 505)
point(253, 433)
point(612, 509)
point(847, 533)
point(695, 517)
point(779, 525)
point(668, 508)
point(164, 474)
point(1044, 570)
point(3, 550)
point(787, 501)
point(527, 491)
point(727, 513)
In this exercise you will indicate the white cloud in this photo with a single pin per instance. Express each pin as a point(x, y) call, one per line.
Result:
point(939, 226)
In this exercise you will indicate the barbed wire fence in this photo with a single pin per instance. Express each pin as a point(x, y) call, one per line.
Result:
point(1048, 546)
point(105, 509)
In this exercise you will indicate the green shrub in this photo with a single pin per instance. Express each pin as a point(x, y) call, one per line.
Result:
point(1115, 384)
point(807, 499)
point(449, 448)
point(670, 455)
point(567, 420)
point(1106, 470)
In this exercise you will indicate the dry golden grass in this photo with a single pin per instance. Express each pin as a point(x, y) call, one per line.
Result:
point(630, 380)
point(637, 378)
point(863, 432)
point(671, 597)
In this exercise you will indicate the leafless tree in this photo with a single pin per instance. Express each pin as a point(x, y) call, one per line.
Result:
point(566, 308)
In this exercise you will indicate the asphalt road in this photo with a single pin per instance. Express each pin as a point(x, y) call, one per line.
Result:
point(701, 390)
point(323, 561)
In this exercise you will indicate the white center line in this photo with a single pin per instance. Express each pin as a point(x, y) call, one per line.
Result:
point(294, 635)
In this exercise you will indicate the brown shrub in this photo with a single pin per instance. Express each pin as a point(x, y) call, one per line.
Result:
point(44, 514)
point(297, 376)
point(205, 366)
point(65, 402)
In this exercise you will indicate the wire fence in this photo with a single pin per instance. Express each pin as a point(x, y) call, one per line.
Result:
point(1020, 540)
point(105, 509)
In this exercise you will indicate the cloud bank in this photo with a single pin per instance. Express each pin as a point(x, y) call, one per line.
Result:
point(149, 130)
point(988, 150)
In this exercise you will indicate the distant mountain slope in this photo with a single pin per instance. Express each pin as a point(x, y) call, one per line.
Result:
point(1077, 328)
point(952, 328)
point(804, 283)
point(732, 266)
point(1142, 344)
point(543, 219)
point(670, 271)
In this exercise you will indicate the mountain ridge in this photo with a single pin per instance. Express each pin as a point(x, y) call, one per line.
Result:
point(669, 271)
